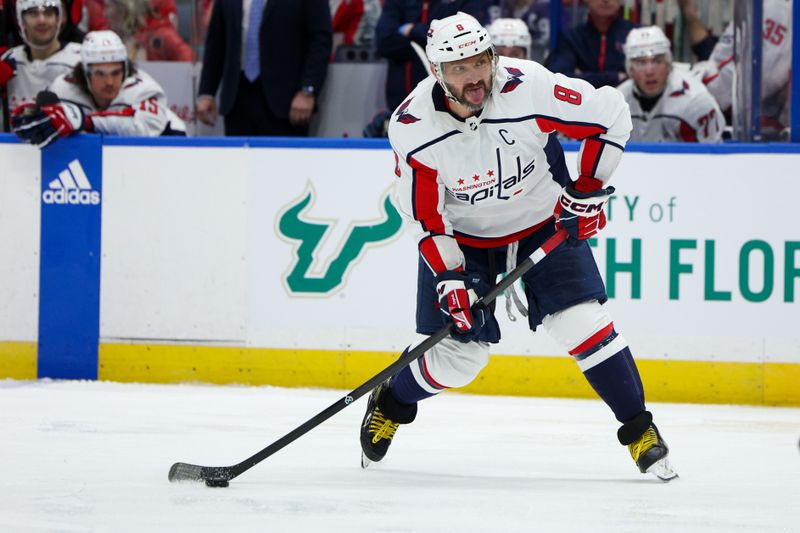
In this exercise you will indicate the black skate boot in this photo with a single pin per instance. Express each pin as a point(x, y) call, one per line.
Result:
point(648, 450)
point(384, 415)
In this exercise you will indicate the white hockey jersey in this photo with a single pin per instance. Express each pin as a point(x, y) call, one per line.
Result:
point(140, 108)
point(494, 178)
point(686, 112)
point(776, 56)
point(33, 75)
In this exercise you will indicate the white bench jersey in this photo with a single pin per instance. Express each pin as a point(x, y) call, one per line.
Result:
point(33, 76)
point(140, 108)
point(686, 112)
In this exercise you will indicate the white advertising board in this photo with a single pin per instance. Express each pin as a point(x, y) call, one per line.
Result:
point(295, 247)
point(20, 182)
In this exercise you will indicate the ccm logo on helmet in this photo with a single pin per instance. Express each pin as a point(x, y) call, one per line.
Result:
point(465, 45)
point(584, 208)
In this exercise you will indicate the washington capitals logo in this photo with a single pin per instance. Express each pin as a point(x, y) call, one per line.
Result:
point(402, 116)
point(514, 75)
point(681, 91)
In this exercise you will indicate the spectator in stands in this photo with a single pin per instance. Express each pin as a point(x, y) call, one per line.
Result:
point(73, 14)
point(126, 19)
point(406, 21)
point(202, 18)
point(354, 21)
point(536, 15)
point(593, 50)
point(776, 63)
point(700, 38)
point(148, 27)
point(159, 36)
point(96, 11)
point(28, 68)
point(666, 104)
point(104, 93)
point(271, 61)
point(510, 38)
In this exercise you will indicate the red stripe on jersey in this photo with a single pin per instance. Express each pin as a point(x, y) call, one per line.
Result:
point(725, 62)
point(687, 133)
point(590, 156)
point(127, 112)
point(491, 242)
point(594, 339)
point(425, 191)
point(396, 164)
point(430, 252)
point(572, 130)
point(428, 376)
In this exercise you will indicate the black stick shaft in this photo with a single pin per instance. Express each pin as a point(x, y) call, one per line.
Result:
point(230, 472)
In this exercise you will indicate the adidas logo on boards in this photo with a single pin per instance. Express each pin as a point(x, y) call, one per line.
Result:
point(71, 187)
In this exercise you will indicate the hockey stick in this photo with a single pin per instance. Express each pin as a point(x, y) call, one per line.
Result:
point(421, 55)
point(218, 476)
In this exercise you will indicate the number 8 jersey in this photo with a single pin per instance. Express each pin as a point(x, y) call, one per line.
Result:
point(494, 178)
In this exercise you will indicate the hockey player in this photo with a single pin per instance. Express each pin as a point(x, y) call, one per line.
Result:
point(29, 68)
point(666, 104)
point(776, 65)
point(511, 38)
point(105, 93)
point(482, 177)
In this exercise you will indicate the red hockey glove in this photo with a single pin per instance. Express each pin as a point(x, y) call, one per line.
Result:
point(581, 213)
point(456, 296)
point(8, 68)
point(44, 125)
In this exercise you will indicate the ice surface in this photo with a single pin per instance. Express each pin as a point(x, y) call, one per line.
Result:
point(89, 456)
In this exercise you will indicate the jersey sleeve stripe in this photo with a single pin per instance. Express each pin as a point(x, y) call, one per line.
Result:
point(612, 143)
point(430, 254)
point(575, 130)
point(590, 157)
point(425, 197)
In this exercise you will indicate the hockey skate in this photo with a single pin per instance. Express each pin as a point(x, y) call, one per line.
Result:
point(384, 415)
point(649, 451)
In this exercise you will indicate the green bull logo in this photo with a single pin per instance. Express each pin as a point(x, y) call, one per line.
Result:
point(294, 227)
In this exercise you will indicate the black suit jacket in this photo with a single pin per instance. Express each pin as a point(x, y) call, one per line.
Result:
point(296, 40)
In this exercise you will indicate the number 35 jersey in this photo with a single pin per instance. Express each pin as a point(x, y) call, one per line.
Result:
point(494, 178)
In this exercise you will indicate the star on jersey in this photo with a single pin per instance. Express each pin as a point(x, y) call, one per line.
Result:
point(514, 75)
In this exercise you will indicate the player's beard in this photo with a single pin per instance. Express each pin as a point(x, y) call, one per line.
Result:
point(459, 97)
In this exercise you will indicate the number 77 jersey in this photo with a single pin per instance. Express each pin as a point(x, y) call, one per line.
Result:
point(494, 178)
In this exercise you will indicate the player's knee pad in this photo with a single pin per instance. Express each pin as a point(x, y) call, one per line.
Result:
point(450, 364)
point(587, 332)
